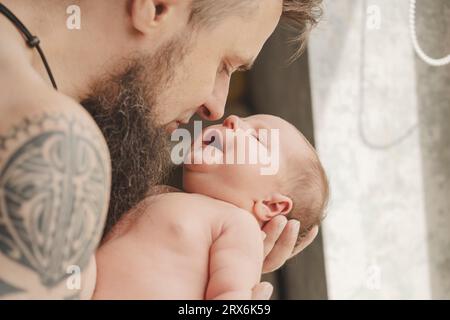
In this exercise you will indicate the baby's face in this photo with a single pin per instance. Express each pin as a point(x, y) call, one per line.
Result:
point(222, 166)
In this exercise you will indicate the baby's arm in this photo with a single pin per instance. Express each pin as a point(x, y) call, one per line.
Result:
point(236, 258)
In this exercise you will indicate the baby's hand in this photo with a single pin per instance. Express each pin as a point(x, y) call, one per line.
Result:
point(279, 243)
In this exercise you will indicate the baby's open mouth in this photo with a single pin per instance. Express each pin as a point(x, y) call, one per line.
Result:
point(213, 138)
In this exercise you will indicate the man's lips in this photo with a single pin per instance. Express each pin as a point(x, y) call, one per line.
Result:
point(171, 127)
point(183, 121)
point(174, 125)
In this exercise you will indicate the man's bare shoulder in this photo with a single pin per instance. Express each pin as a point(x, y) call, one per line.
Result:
point(34, 101)
point(187, 209)
point(194, 210)
point(55, 176)
point(198, 203)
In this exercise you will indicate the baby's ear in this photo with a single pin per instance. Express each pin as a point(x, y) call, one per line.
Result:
point(277, 204)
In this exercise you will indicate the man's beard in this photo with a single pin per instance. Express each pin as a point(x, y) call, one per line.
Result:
point(123, 107)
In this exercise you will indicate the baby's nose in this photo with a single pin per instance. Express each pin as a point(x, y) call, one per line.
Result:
point(232, 122)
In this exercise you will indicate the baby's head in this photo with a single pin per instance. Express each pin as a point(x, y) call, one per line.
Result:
point(298, 190)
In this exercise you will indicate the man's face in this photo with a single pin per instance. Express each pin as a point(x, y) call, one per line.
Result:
point(201, 77)
point(146, 97)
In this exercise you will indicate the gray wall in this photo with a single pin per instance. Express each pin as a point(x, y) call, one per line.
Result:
point(433, 91)
point(381, 123)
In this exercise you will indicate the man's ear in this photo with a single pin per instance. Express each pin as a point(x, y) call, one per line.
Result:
point(276, 204)
point(147, 14)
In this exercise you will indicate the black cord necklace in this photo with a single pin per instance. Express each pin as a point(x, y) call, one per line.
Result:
point(32, 41)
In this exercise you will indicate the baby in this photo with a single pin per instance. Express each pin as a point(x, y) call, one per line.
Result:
point(206, 243)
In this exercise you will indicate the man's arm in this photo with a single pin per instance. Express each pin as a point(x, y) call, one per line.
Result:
point(54, 192)
point(235, 259)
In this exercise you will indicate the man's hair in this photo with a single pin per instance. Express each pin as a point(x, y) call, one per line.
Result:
point(309, 191)
point(300, 15)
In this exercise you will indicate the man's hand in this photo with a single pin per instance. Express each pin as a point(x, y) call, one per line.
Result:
point(279, 243)
point(262, 291)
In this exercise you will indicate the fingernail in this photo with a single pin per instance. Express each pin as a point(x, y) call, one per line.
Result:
point(268, 290)
point(282, 224)
point(295, 227)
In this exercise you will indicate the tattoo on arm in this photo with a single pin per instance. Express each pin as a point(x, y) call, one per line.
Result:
point(54, 193)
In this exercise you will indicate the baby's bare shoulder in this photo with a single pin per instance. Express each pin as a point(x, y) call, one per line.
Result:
point(176, 202)
point(192, 210)
point(193, 218)
point(216, 212)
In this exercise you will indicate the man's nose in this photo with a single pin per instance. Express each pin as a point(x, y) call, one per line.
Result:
point(214, 108)
point(232, 122)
